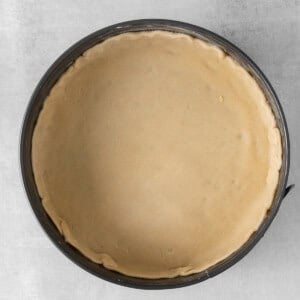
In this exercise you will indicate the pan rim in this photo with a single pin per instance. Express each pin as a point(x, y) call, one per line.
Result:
point(32, 112)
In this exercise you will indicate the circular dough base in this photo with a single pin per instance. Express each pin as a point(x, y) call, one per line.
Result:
point(156, 155)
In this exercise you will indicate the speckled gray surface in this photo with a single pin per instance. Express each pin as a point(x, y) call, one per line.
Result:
point(33, 34)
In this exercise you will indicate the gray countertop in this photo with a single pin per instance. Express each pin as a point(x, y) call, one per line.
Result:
point(33, 34)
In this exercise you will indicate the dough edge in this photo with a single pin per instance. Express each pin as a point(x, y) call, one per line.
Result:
point(275, 160)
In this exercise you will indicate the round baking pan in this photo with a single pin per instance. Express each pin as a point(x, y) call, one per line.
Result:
point(36, 103)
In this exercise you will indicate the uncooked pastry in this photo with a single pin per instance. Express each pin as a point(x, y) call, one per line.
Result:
point(156, 154)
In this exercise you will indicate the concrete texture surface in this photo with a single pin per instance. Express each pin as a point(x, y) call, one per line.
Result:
point(33, 34)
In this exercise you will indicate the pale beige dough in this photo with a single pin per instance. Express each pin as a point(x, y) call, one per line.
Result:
point(156, 155)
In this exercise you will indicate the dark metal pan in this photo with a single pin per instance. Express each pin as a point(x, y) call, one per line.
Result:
point(36, 104)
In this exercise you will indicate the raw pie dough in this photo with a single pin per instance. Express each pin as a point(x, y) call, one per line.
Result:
point(156, 154)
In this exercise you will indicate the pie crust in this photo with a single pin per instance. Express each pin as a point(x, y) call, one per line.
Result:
point(156, 154)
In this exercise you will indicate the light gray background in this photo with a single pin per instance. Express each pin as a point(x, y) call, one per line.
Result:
point(33, 34)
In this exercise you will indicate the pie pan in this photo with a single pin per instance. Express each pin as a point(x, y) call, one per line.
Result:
point(36, 103)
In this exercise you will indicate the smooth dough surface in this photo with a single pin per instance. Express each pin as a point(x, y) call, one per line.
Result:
point(156, 154)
